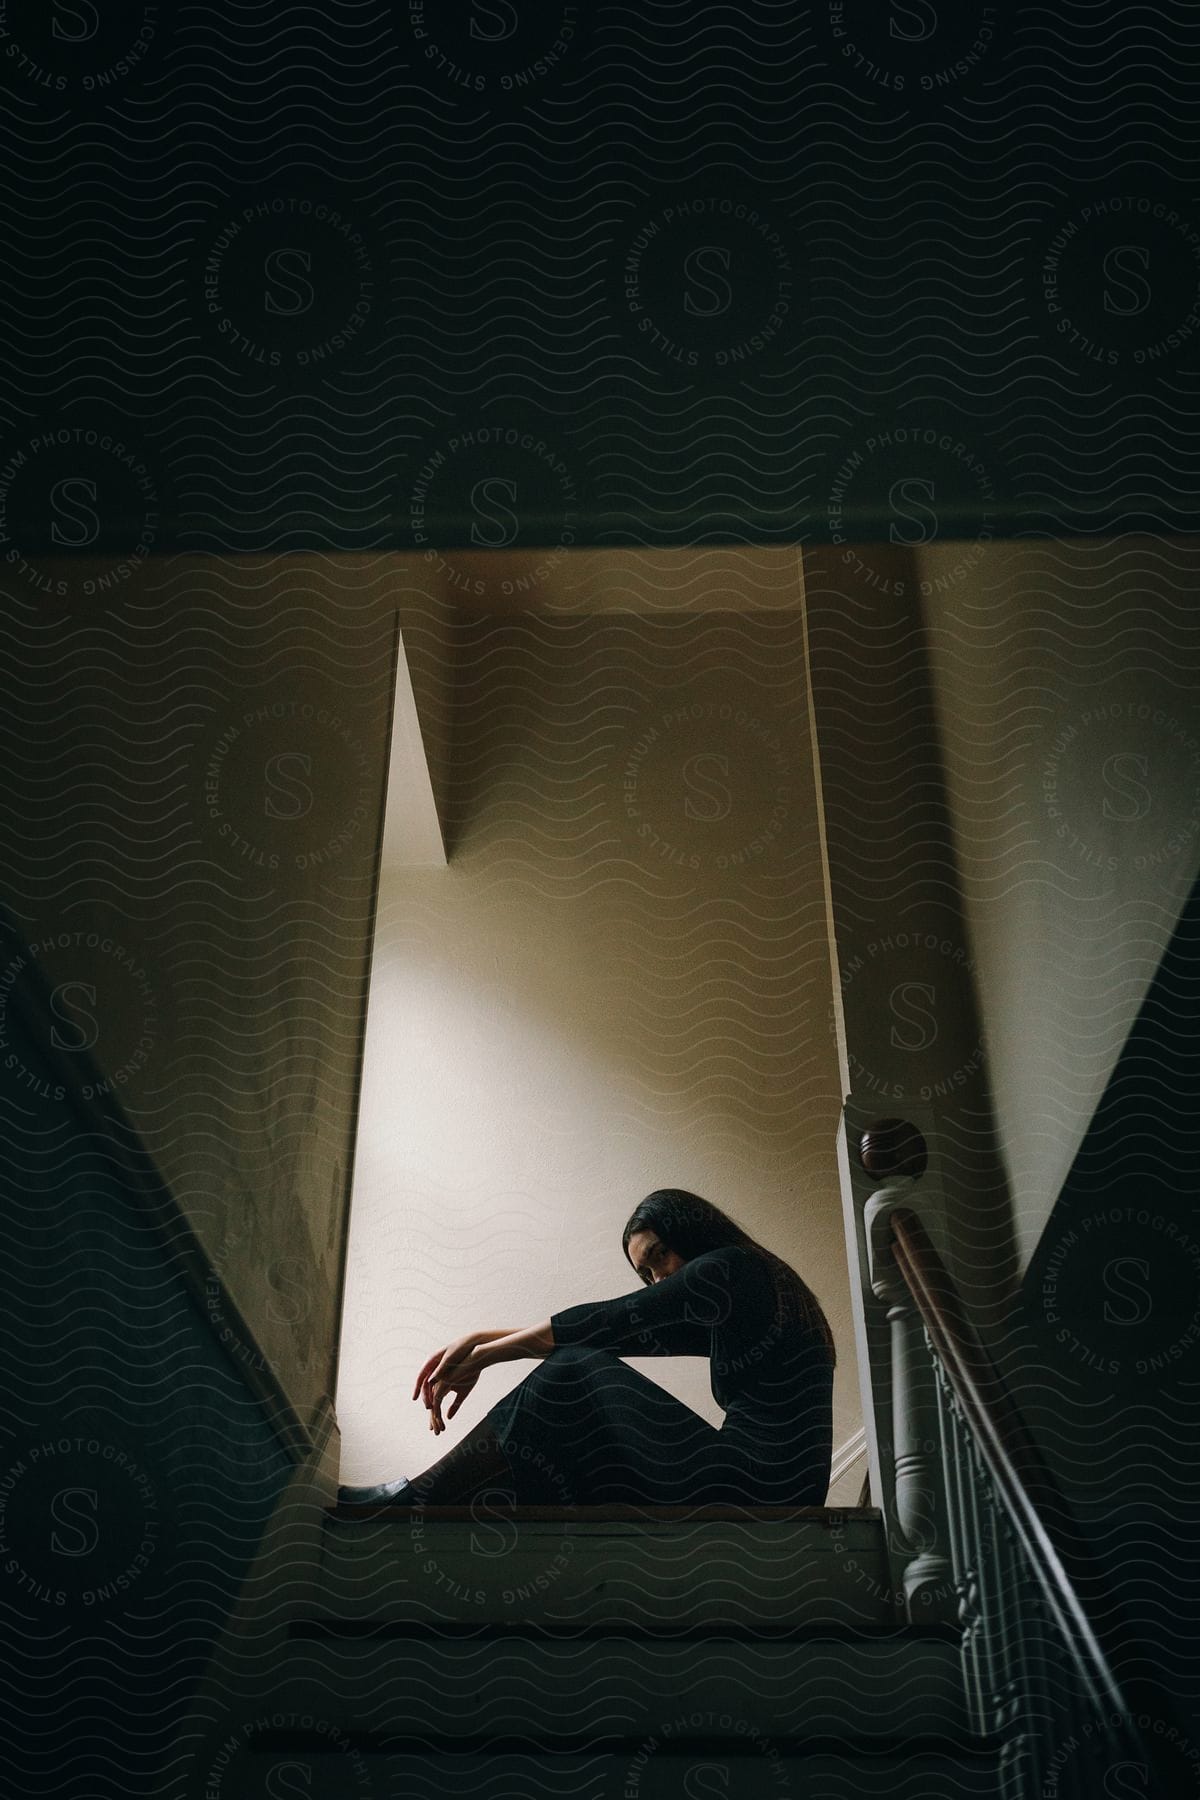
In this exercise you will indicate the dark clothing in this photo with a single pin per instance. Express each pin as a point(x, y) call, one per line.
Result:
point(584, 1428)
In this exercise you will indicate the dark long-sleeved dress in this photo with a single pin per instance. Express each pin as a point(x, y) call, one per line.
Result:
point(585, 1429)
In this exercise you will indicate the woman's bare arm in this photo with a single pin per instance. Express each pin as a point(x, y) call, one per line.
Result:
point(457, 1368)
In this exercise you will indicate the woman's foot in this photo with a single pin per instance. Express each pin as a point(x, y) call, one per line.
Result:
point(474, 1462)
point(383, 1493)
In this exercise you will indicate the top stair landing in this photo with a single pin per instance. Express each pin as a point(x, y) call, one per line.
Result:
point(664, 1570)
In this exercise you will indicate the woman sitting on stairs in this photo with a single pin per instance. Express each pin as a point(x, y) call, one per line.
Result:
point(586, 1429)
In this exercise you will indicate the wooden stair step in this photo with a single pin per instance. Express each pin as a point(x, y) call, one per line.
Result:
point(636, 1770)
point(866, 1685)
point(814, 1566)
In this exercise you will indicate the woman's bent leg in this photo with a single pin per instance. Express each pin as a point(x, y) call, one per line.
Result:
point(476, 1461)
point(584, 1429)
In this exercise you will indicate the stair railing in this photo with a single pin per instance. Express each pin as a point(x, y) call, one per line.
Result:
point(974, 1502)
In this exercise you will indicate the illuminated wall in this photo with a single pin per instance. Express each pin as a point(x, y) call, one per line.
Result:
point(620, 981)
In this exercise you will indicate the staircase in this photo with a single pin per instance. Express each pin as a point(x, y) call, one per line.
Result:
point(637, 1653)
point(604, 1653)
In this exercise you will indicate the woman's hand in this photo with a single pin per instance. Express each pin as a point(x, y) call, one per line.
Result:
point(453, 1370)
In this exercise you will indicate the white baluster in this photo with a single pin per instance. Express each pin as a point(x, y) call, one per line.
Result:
point(919, 1522)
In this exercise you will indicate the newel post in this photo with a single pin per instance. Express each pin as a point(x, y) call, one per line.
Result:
point(918, 1524)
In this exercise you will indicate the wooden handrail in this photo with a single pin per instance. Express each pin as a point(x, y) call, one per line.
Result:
point(938, 1300)
point(1035, 1507)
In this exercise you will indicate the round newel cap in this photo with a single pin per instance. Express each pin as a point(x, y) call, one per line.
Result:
point(892, 1147)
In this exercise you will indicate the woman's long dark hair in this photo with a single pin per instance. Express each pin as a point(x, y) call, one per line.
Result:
point(689, 1225)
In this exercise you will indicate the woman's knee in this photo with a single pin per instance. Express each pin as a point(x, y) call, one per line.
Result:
point(571, 1357)
point(578, 1353)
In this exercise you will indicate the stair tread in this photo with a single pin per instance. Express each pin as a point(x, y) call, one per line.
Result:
point(325, 1625)
point(949, 1743)
point(933, 1768)
point(637, 1515)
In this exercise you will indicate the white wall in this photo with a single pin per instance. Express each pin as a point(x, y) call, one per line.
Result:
point(1067, 678)
point(571, 1013)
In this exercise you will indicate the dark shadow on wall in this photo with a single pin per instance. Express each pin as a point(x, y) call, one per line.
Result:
point(1104, 1353)
point(190, 838)
point(914, 1028)
point(141, 1457)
